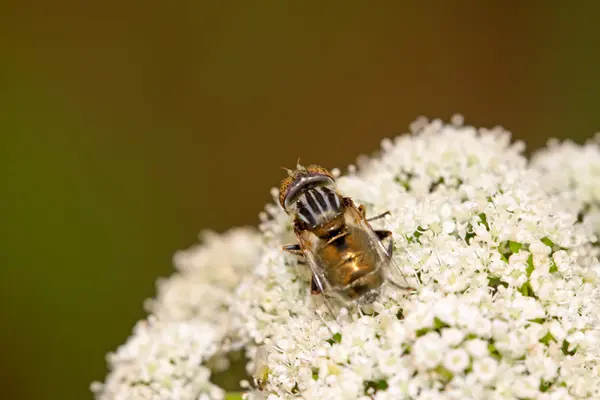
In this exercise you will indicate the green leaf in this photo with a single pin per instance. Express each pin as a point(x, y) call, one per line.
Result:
point(538, 320)
point(470, 234)
point(553, 246)
point(527, 290)
point(494, 282)
point(514, 246)
point(295, 389)
point(406, 348)
point(422, 332)
point(403, 182)
point(565, 348)
point(546, 240)
point(530, 266)
point(545, 385)
point(509, 247)
point(547, 338)
point(438, 324)
point(483, 219)
point(435, 184)
point(233, 396)
point(418, 232)
point(336, 338)
point(315, 373)
point(375, 385)
point(504, 250)
point(444, 374)
point(494, 351)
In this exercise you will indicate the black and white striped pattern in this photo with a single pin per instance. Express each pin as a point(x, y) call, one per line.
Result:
point(317, 205)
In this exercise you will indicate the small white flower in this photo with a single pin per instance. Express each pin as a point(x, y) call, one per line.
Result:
point(485, 369)
point(527, 387)
point(428, 350)
point(456, 360)
point(477, 348)
point(452, 336)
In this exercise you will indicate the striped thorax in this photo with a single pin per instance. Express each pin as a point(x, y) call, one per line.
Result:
point(309, 195)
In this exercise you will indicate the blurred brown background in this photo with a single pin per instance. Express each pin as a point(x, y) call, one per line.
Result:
point(126, 128)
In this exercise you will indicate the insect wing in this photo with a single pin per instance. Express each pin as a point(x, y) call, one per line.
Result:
point(318, 275)
point(308, 247)
point(356, 221)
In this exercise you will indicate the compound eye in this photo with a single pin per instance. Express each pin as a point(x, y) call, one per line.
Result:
point(301, 179)
point(318, 170)
point(284, 188)
point(304, 183)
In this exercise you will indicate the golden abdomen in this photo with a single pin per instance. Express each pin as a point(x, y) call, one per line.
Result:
point(351, 272)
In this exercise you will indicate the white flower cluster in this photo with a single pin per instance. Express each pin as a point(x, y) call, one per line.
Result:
point(506, 302)
point(506, 306)
point(190, 325)
point(163, 360)
point(572, 171)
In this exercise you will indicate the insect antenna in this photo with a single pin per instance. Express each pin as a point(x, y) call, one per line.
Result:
point(289, 171)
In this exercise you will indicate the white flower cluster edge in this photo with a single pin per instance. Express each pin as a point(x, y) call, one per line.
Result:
point(502, 252)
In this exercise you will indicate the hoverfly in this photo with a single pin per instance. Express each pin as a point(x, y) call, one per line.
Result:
point(347, 257)
point(261, 367)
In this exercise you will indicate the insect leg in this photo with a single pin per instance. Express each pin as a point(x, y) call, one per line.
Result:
point(314, 288)
point(361, 209)
point(395, 269)
point(382, 215)
point(363, 212)
point(294, 249)
point(383, 235)
point(336, 237)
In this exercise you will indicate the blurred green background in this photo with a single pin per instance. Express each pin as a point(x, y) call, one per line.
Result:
point(126, 128)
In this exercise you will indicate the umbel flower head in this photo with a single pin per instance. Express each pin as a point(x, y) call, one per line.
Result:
point(502, 254)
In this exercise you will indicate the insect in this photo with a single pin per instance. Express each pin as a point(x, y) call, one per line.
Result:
point(347, 257)
point(261, 370)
